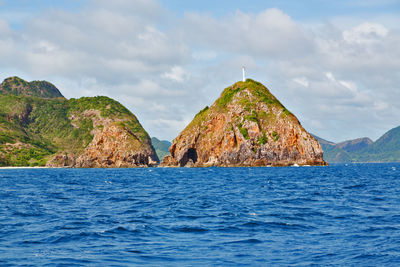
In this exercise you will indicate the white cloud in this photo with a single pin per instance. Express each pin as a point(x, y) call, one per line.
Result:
point(164, 127)
point(302, 81)
point(267, 34)
point(346, 84)
point(380, 105)
point(4, 27)
point(349, 85)
point(329, 75)
point(177, 74)
point(205, 55)
point(342, 82)
point(365, 33)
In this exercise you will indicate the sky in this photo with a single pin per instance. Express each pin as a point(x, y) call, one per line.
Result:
point(334, 64)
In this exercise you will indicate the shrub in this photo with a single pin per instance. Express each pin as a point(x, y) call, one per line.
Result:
point(262, 139)
point(275, 136)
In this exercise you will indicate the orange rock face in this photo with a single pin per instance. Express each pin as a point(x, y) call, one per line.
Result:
point(113, 146)
point(246, 126)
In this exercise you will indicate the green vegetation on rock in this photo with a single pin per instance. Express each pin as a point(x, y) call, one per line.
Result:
point(199, 118)
point(18, 86)
point(253, 116)
point(257, 89)
point(33, 128)
point(263, 139)
point(275, 136)
point(243, 131)
point(249, 95)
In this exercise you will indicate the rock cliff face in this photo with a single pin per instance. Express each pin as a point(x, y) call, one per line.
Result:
point(113, 145)
point(246, 126)
point(39, 127)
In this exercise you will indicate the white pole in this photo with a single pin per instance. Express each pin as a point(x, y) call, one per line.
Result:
point(244, 76)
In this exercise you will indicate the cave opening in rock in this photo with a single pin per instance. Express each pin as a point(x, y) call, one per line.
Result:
point(192, 154)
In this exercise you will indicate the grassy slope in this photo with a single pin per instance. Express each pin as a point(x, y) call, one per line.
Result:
point(18, 86)
point(261, 94)
point(32, 128)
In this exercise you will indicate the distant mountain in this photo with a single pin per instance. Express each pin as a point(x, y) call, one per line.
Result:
point(161, 147)
point(385, 149)
point(332, 153)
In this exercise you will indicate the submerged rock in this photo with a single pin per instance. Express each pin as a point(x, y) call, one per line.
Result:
point(246, 126)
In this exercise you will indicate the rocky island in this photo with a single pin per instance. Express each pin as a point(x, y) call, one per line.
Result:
point(246, 126)
point(39, 127)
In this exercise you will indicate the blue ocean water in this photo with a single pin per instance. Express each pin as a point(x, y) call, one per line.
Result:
point(338, 215)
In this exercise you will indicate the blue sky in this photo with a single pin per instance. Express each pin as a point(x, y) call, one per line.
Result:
point(18, 11)
point(332, 63)
point(310, 10)
point(300, 10)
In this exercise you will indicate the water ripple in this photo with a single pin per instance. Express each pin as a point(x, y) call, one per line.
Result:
point(345, 215)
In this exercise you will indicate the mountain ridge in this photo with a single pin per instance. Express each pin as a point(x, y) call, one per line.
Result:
point(384, 149)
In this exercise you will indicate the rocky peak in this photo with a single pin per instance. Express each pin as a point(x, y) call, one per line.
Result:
point(17, 86)
point(246, 126)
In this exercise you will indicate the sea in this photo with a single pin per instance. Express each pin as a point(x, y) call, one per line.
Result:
point(339, 215)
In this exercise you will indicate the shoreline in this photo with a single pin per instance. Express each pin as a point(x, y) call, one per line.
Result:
point(294, 165)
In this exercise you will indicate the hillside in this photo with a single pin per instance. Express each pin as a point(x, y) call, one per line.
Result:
point(355, 145)
point(17, 86)
point(161, 147)
point(85, 132)
point(342, 152)
point(246, 126)
point(385, 149)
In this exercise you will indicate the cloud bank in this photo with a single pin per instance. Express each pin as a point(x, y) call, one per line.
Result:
point(341, 82)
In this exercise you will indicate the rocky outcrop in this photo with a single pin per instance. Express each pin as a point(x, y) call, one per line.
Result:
point(116, 145)
point(246, 126)
point(113, 145)
point(62, 159)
